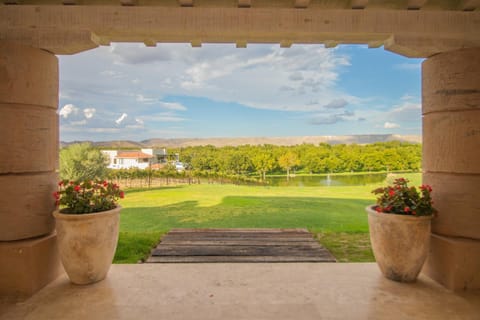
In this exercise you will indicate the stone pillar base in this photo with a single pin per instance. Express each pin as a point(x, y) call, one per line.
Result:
point(454, 262)
point(27, 266)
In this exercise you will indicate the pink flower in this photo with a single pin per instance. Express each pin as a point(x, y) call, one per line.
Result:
point(60, 183)
point(77, 188)
point(407, 209)
point(122, 195)
point(426, 187)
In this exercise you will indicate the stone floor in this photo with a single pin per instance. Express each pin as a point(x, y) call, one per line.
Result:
point(246, 291)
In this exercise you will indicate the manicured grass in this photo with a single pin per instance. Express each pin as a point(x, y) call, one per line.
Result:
point(337, 213)
point(134, 247)
point(348, 247)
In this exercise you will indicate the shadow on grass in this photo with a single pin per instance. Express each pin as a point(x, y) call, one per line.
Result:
point(318, 214)
point(342, 222)
point(136, 190)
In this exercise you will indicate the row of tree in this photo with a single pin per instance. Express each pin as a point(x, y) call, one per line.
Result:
point(82, 161)
point(305, 158)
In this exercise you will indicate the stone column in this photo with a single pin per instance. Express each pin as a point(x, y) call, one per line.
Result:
point(451, 164)
point(28, 161)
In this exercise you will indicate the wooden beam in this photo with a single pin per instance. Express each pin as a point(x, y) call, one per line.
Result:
point(302, 3)
point(375, 44)
point(441, 30)
point(285, 44)
point(330, 44)
point(185, 3)
point(415, 4)
point(70, 2)
point(241, 44)
point(100, 40)
point(359, 4)
point(244, 3)
point(11, 2)
point(129, 2)
point(469, 5)
point(196, 43)
point(150, 43)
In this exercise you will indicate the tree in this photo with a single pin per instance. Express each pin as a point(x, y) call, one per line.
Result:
point(288, 161)
point(263, 161)
point(82, 162)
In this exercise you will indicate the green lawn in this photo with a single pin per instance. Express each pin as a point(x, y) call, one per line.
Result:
point(335, 214)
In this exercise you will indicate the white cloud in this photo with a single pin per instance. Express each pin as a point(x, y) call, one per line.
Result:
point(173, 106)
point(390, 125)
point(260, 76)
point(121, 119)
point(67, 110)
point(89, 112)
point(407, 97)
point(336, 104)
point(158, 85)
point(139, 54)
point(407, 111)
point(142, 98)
point(165, 117)
point(112, 74)
point(320, 119)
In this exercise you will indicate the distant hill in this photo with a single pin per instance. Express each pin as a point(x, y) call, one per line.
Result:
point(279, 141)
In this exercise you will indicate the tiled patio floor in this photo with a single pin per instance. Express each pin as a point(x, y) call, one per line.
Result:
point(246, 291)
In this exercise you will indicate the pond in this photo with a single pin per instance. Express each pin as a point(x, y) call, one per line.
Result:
point(326, 180)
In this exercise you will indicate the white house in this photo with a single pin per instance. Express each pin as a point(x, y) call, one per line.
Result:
point(143, 159)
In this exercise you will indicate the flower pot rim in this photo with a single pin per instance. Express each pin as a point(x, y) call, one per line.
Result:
point(82, 216)
point(371, 211)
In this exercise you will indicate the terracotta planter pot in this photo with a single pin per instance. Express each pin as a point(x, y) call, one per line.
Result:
point(400, 243)
point(87, 243)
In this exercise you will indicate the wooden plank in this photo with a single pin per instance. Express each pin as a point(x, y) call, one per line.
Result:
point(243, 230)
point(237, 259)
point(240, 242)
point(239, 245)
point(239, 235)
point(236, 250)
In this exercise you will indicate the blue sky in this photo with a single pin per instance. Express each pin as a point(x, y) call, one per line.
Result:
point(133, 92)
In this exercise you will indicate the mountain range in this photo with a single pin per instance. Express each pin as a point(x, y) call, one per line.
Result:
point(279, 141)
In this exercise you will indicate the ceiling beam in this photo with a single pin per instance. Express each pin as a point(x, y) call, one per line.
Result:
point(241, 44)
point(330, 43)
point(244, 3)
point(150, 42)
point(196, 43)
point(129, 2)
point(469, 5)
point(415, 4)
point(301, 4)
point(185, 3)
point(443, 30)
point(358, 4)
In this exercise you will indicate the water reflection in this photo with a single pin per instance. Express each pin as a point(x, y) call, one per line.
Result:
point(327, 180)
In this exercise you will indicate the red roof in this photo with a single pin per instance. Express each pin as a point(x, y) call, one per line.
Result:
point(133, 155)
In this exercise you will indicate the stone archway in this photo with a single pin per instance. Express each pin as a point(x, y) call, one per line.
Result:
point(31, 35)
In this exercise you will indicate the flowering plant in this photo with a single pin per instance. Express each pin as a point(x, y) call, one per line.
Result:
point(87, 196)
point(402, 199)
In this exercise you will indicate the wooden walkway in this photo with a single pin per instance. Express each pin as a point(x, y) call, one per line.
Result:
point(239, 245)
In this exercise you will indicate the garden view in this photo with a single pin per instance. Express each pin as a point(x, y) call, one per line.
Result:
point(323, 188)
